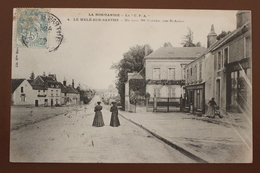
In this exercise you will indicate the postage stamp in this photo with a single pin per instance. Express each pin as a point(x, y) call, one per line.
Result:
point(38, 28)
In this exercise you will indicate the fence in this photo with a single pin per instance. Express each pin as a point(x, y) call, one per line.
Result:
point(164, 104)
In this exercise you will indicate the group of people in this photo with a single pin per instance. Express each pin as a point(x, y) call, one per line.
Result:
point(114, 121)
point(98, 119)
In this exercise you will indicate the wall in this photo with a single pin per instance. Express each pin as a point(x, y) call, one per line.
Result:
point(164, 64)
point(27, 90)
point(178, 90)
point(209, 78)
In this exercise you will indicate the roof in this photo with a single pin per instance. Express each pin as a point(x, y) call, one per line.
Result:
point(231, 36)
point(226, 39)
point(68, 89)
point(16, 83)
point(137, 76)
point(177, 52)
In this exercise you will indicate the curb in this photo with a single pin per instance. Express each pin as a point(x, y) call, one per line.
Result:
point(178, 148)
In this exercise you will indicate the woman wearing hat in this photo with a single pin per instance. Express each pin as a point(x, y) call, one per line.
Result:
point(114, 122)
point(98, 119)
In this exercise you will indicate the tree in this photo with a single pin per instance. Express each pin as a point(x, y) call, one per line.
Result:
point(222, 34)
point(188, 40)
point(32, 76)
point(167, 44)
point(133, 60)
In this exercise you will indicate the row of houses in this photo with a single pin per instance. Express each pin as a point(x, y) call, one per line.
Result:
point(197, 74)
point(43, 91)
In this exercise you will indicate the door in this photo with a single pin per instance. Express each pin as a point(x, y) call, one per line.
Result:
point(51, 102)
point(36, 103)
point(218, 92)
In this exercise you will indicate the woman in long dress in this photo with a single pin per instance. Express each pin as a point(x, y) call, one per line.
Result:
point(211, 110)
point(114, 122)
point(98, 119)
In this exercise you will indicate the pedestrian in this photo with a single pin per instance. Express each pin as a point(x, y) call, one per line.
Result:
point(98, 119)
point(114, 121)
point(212, 109)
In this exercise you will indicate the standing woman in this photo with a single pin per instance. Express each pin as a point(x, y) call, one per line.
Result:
point(98, 119)
point(114, 122)
point(211, 110)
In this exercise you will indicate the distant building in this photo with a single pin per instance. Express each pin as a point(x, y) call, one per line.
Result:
point(48, 90)
point(110, 92)
point(165, 70)
point(69, 95)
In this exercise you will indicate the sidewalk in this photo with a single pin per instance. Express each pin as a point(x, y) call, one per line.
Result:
point(218, 140)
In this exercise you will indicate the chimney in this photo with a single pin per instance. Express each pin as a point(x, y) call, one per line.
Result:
point(72, 83)
point(64, 82)
point(145, 50)
point(243, 17)
point(212, 37)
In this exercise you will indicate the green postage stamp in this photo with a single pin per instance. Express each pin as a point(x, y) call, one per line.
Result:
point(38, 28)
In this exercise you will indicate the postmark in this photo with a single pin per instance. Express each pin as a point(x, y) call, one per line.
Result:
point(38, 28)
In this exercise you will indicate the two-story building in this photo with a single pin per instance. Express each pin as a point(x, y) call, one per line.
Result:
point(223, 71)
point(199, 78)
point(47, 89)
point(165, 70)
point(232, 64)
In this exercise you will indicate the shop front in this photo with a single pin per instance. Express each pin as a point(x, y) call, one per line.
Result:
point(239, 92)
point(195, 98)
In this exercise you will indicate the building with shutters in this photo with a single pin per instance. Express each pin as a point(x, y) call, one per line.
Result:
point(165, 70)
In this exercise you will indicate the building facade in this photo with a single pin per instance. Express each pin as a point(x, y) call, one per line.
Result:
point(165, 70)
point(232, 64)
point(48, 90)
point(69, 95)
point(22, 92)
point(200, 75)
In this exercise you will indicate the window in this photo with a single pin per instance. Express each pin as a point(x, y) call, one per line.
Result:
point(184, 75)
point(188, 75)
point(56, 92)
point(157, 92)
point(200, 71)
point(225, 59)
point(171, 73)
point(23, 98)
point(219, 60)
point(21, 89)
point(171, 92)
point(39, 91)
point(195, 72)
point(248, 47)
point(51, 92)
point(156, 74)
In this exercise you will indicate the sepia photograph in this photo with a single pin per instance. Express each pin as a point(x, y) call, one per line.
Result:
point(93, 85)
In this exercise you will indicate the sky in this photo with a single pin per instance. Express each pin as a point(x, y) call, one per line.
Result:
point(90, 48)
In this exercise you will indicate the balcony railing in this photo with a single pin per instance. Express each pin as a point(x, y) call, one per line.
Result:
point(166, 82)
point(41, 95)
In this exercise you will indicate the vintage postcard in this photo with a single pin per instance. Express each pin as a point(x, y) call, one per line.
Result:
point(131, 86)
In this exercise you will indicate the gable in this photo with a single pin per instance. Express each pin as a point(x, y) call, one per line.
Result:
point(16, 83)
point(38, 81)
